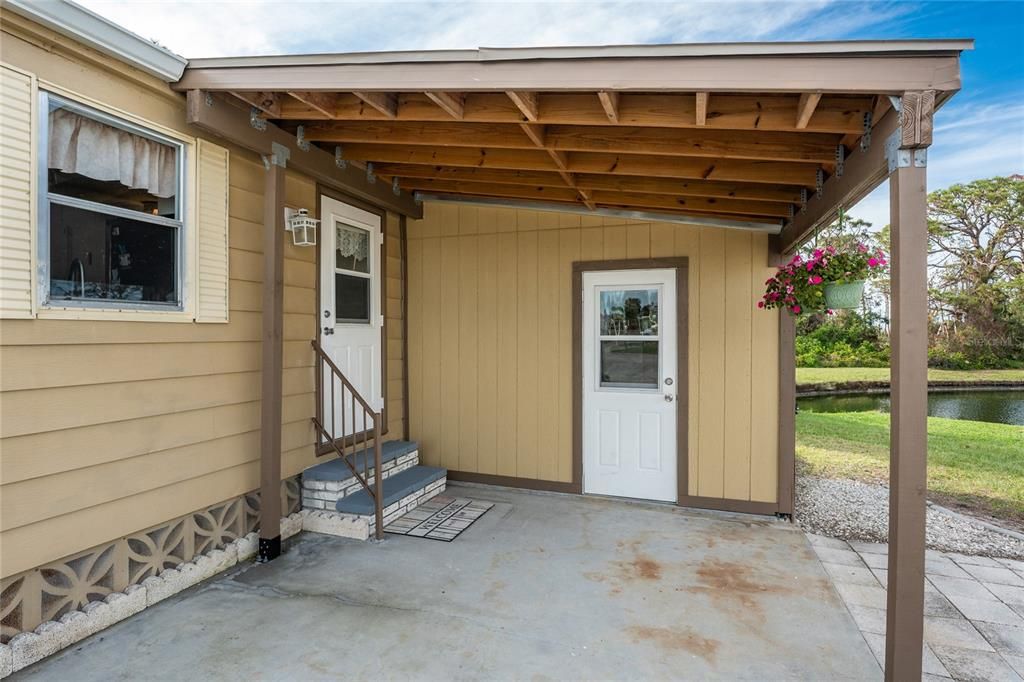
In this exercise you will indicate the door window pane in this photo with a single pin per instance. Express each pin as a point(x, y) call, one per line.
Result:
point(351, 298)
point(629, 364)
point(629, 312)
point(352, 249)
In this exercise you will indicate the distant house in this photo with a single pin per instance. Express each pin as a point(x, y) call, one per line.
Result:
point(533, 267)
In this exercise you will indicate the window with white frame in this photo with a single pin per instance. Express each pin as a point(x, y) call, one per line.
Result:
point(111, 211)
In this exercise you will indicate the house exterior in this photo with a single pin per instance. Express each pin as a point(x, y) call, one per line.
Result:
point(532, 316)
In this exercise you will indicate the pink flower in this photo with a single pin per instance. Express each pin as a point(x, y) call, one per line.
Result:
point(810, 266)
point(814, 279)
point(760, 304)
point(818, 253)
point(796, 309)
point(873, 262)
point(862, 248)
point(829, 312)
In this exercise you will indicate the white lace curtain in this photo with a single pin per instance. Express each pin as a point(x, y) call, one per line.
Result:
point(353, 243)
point(80, 145)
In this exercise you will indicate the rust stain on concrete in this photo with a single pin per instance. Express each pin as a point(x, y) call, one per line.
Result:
point(673, 639)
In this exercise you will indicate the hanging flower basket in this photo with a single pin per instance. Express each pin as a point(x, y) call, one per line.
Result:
point(844, 295)
point(830, 279)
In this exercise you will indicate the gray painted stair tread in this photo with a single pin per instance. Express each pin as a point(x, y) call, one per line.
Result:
point(335, 470)
point(395, 488)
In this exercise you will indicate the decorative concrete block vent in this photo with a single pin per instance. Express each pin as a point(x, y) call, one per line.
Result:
point(338, 504)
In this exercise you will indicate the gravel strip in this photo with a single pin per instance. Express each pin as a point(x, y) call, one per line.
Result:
point(851, 510)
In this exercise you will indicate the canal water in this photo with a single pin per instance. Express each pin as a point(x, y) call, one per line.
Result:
point(1001, 407)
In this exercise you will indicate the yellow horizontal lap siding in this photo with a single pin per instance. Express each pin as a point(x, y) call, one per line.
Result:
point(16, 193)
point(509, 397)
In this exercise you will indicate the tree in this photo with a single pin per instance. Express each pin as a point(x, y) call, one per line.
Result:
point(976, 254)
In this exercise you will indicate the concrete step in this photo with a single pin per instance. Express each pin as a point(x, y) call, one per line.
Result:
point(327, 482)
point(353, 516)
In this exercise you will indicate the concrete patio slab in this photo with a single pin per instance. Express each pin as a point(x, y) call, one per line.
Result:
point(542, 586)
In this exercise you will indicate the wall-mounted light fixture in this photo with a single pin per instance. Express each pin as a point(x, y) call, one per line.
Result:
point(302, 227)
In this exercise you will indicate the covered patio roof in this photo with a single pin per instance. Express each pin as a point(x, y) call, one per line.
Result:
point(741, 134)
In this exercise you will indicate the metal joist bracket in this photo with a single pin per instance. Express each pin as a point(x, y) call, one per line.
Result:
point(370, 177)
point(256, 119)
point(300, 139)
point(803, 200)
point(865, 137)
point(208, 98)
point(896, 102)
point(279, 154)
point(394, 186)
point(840, 160)
point(819, 183)
point(897, 157)
point(338, 160)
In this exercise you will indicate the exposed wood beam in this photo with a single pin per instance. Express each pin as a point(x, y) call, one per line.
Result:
point(841, 114)
point(767, 172)
point(230, 122)
point(267, 102)
point(704, 204)
point(610, 101)
point(916, 119)
point(701, 109)
point(527, 102)
point(324, 102)
point(562, 193)
point(535, 132)
point(452, 102)
point(864, 170)
point(384, 102)
point(767, 146)
point(804, 111)
point(840, 73)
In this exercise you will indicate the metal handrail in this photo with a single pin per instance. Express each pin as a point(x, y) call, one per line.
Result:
point(349, 446)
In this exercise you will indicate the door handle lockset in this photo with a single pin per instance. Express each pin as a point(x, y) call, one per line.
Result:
point(669, 397)
point(328, 331)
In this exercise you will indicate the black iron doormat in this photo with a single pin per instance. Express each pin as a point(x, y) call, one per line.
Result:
point(440, 518)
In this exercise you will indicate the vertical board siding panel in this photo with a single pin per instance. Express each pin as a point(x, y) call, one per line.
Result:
point(415, 339)
point(504, 220)
point(548, 332)
point(615, 242)
point(712, 363)
point(487, 355)
point(431, 368)
point(17, 241)
point(450, 347)
point(467, 358)
point(448, 220)
point(468, 217)
point(662, 240)
point(527, 221)
point(764, 385)
point(508, 361)
point(568, 253)
point(687, 243)
point(547, 220)
point(592, 243)
point(739, 304)
point(526, 350)
point(638, 241)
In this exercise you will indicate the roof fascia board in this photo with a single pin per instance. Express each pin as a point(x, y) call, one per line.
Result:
point(799, 73)
point(102, 35)
point(939, 47)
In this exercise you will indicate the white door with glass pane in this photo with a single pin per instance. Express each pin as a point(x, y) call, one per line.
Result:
point(630, 384)
point(351, 316)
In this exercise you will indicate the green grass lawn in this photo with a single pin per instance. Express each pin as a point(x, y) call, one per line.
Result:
point(978, 465)
point(834, 375)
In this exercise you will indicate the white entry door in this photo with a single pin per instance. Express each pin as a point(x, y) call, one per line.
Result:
point(351, 316)
point(629, 384)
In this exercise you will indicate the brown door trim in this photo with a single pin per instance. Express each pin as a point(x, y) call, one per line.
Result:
point(326, 191)
point(681, 265)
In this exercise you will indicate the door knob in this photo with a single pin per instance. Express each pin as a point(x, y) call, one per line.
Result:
point(328, 331)
point(669, 397)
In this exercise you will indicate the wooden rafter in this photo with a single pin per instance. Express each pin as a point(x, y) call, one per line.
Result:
point(384, 102)
point(767, 172)
point(452, 102)
point(808, 103)
point(610, 101)
point(535, 132)
point(527, 102)
point(840, 114)
point(537, 135)
point(700, 109)
point(767, 146)
point(324, 102)
point(267, 102)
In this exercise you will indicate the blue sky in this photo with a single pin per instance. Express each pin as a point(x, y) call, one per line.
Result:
point(980, 133)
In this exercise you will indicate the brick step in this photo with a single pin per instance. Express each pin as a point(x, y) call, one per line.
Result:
point(353, 516)
point(326, 483)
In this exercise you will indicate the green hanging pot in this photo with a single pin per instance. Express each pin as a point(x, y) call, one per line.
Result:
point(846, 295)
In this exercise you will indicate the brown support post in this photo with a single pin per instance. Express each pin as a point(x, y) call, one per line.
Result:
point(787, 412)
point(272, 365)
point(908, 442)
